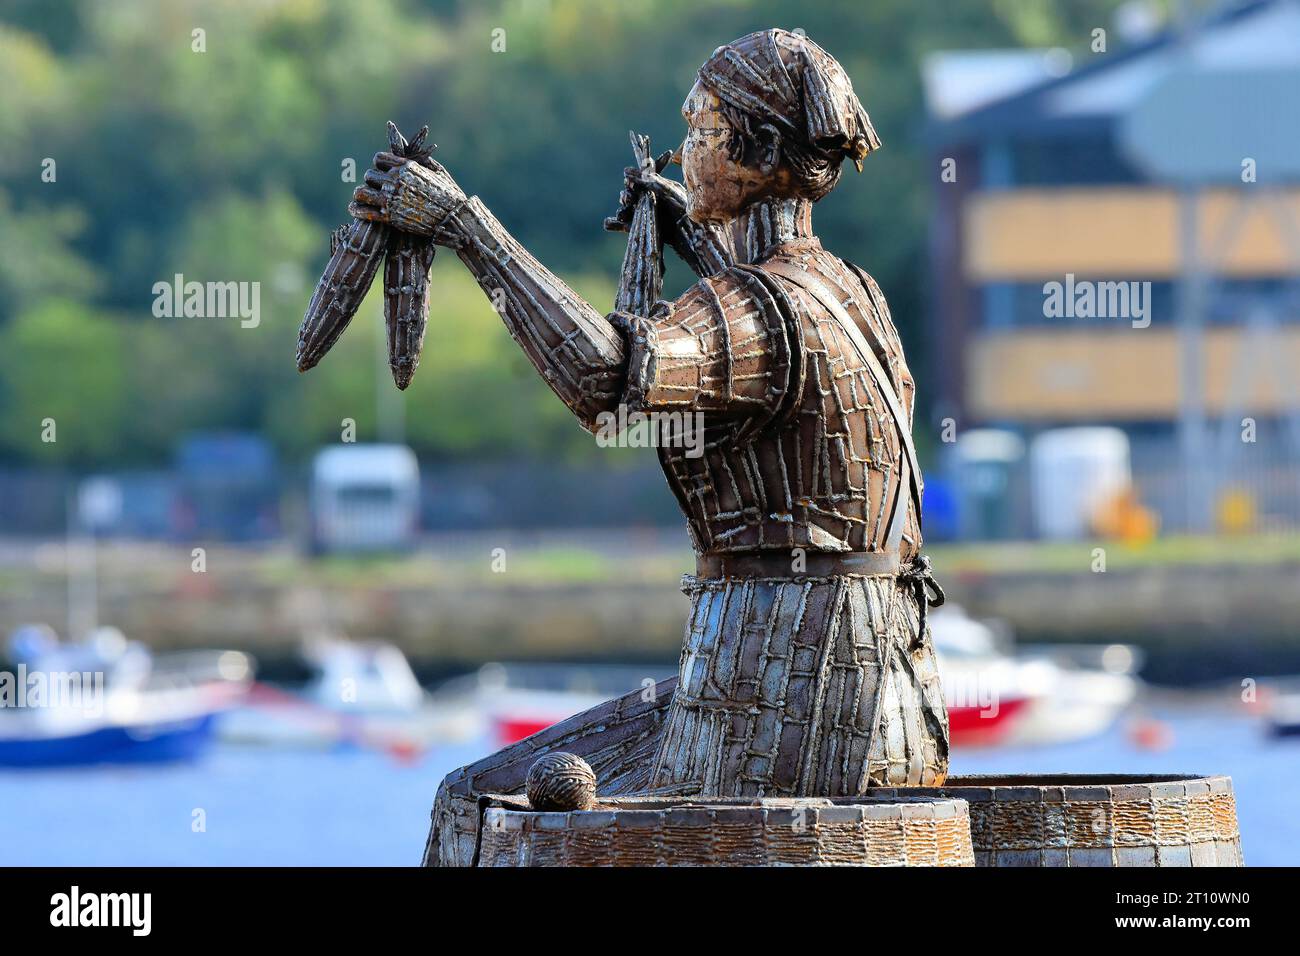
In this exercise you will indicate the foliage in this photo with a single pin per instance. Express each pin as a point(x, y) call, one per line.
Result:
point(226, 165)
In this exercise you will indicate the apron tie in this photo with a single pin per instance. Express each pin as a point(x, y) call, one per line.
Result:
point(919, 576)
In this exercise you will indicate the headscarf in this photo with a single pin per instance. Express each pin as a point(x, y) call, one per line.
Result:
point(787, 80)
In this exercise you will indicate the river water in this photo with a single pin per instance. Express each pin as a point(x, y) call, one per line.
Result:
point(243, 806)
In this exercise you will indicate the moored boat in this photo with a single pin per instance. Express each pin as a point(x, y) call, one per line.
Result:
point(361, 694)
point(1282, 709)
point(997, 693)
point(108, 700)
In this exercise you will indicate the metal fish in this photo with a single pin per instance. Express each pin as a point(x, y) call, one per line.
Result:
point(355, 253)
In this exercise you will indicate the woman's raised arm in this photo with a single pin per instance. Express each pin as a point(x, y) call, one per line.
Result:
point(579, 352)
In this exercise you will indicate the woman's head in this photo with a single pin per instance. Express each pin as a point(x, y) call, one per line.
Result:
point(771, 114)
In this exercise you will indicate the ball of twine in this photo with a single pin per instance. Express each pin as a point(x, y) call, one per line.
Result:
point(561, 781)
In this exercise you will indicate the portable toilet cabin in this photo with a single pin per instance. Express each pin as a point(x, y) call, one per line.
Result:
point(1075, 472)
point(988, 467)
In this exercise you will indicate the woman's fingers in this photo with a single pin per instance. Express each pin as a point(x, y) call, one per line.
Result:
point(364, 194)
point(362, 211)
point(387, 161)
point(639, 180)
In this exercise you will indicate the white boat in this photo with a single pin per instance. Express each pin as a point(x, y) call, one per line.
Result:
point(1282, 707)
point(361, 694)
point(998, 693)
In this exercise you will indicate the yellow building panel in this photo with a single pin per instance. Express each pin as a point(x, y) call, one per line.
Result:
point(1031, 234)
point(1122, 374)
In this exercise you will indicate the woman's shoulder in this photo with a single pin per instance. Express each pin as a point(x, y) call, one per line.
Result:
point(736, 287)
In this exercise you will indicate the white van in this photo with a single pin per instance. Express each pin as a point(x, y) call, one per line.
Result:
point(365, 498)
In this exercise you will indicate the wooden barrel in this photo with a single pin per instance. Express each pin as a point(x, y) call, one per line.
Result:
point(1097, 820)
point(650, 831)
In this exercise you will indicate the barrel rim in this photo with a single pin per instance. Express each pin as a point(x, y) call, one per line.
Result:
point(511, 811)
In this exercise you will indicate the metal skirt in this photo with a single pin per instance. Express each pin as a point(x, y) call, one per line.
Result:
point(802, 687)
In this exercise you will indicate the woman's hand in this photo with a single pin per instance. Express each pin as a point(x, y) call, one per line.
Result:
point(670, 197)
point(410, 196)
point(705, 248)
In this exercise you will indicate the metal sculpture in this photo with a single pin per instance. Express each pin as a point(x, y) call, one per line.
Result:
point(772, 831)
point(807, 670)
point(355, 252)
point(561, 781)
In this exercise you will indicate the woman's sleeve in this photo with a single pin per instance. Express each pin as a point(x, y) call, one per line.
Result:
point(724, 347)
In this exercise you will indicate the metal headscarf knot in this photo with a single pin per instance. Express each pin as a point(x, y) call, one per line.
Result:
point(789, 81)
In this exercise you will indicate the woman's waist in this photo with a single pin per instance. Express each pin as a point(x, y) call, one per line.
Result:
point(794, 563)
point(855, 528)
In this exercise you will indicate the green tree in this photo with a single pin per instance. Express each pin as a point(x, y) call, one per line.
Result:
point(230, 163)
point(61, 364)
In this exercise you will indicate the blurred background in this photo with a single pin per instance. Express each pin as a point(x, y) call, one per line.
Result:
point(311, 596)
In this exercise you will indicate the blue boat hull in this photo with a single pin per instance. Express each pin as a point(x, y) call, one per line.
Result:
point(158, 743)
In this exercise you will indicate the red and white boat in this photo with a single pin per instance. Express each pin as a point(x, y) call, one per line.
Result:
point(998, 694)
point(514, 701)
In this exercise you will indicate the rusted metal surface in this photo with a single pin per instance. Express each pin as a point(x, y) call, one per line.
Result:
point(802, 687)
point(355, 253)
point(641, 278)
point(616, 738)
point(783, 78)
point(406, 277)
point(802, 449)
point(792, 683)
point(915, 831)
point(560, 781)
point(806, 670)
point(1098, 820)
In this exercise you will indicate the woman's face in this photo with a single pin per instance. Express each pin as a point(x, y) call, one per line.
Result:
point(717, 186)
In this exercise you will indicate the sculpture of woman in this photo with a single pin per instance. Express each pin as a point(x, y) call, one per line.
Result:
point(806, 668)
